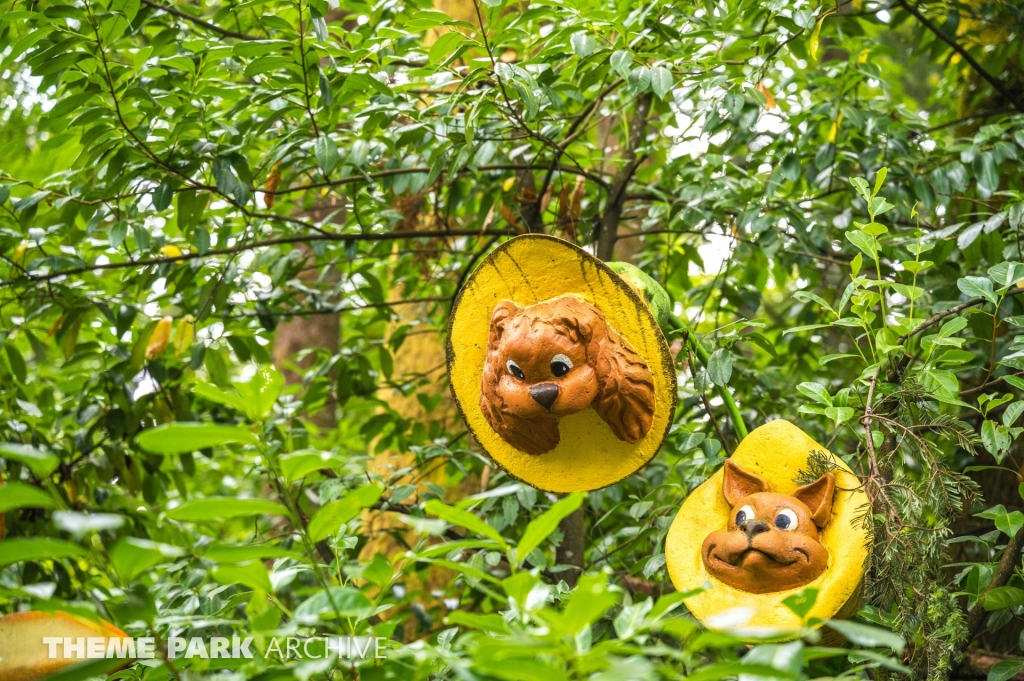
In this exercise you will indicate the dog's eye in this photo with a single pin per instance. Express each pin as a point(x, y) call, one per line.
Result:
point(744, 514)
point(560, 365)
point(786, 520)
point(514, 369)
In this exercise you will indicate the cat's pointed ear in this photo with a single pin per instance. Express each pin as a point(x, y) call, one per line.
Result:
point(818, 497)
point(740, 483)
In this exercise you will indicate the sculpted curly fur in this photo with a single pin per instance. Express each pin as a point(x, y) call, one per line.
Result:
point(557, 358)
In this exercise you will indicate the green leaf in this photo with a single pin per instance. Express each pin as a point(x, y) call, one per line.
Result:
point(326, 153)
point(541, 527)
point(762, 342)
point(1003, 597)
point(20, 550)
point(378, 571)
point(986, 171)
point(839, 414)
point(299, 464)
point(861, 185)
point(879, 180)
point(162, 197)
point(1006, 522)
point(181, 438)
point(338, 601)
point(863, 242)
point(977, 287)
point(222, 508)
point(662, 81)
point(804, 296)
point(211, 392)
point(1012, 413)
point(335, 514)
point(867, 635)
point(1005, 670)
point(457, 516)
point(622, 62)
point(856, 264)
point(15, 495)
point(492, 623)
point(1006, 274)
point(231, 553)
point(955, 325)
point(873, 229)
point(40, 462)
point(995, 439)
point(720, 366)
point(252, 575)
point(261, 392)
point(191, 205)
point(70, 104)
point(444, 47)
point(582, 44)
point(816, 392)
point(800, 604)
point(131, 556)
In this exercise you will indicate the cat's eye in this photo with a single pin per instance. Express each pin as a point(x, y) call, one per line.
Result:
point(744, 514)
point(786, 520)
point(514, 369)
point(560, 365)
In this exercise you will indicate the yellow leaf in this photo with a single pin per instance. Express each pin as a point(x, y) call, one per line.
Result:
point(816, 34)
point(770, 104)
point(171, 251)
point(19, 253)
point(158, 341)
point(507, 184)
point(184, 335)
point(863, 57)
point(834, 130)
point(272, 183)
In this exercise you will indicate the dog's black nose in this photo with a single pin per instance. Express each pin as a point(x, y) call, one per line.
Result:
point(545, 394)
point(753, 527)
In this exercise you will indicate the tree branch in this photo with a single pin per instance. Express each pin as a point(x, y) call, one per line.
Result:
point(391, 172)
point(199, 22)
point(986, 386)
point(1007, 564)
point(609, 230)
point(999, 86)
point(323, 236)
point(939, 316)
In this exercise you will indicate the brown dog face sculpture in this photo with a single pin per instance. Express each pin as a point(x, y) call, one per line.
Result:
point(772, 540)
point(557, 358)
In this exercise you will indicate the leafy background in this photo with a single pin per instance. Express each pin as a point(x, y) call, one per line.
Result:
point(231, 234)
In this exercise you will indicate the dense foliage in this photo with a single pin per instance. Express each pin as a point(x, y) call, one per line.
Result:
point(830, 194)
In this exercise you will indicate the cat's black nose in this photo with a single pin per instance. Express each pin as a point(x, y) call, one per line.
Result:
point(753, 527)
point(545, 394)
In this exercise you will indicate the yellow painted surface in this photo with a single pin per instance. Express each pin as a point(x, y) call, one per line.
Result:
point(24, 656)
point(527, 270)
point(777, 451)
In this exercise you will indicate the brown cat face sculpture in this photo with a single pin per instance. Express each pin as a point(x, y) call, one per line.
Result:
point(772, 540)
point(557, 358)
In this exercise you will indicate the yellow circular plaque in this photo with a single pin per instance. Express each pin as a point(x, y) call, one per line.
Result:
point(532, 269)
point(777, 451)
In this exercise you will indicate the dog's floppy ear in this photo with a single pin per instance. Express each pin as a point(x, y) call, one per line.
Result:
point(503, 311)
point(818, 497)
point(739, 484)
point(625, 386)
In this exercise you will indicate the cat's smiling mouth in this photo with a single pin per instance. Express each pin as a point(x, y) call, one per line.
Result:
point(737, 560)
